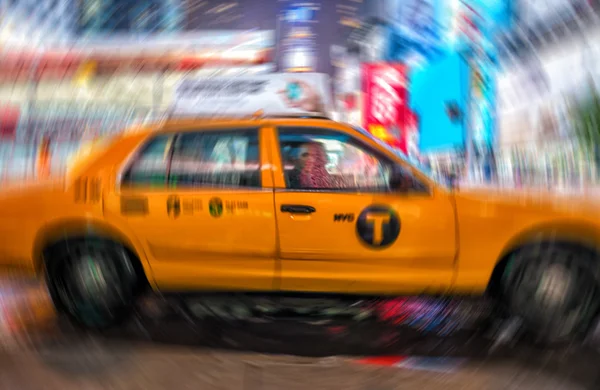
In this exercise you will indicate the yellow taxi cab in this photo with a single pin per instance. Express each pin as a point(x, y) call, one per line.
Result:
point(292, 205)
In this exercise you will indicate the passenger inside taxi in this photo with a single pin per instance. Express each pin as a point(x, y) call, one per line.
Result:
point(310, 170)
point(330, 161)
point(313, 159)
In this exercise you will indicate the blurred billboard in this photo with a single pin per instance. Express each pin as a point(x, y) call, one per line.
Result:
point(439, 97)
point(384, 91)
point(274, 94)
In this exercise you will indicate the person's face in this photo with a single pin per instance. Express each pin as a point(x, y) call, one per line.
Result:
point(304, 155)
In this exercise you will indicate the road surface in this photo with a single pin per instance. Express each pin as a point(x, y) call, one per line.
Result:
point(43, 353)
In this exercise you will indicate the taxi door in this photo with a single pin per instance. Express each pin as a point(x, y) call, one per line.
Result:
point(198, 202)
point(356, 237)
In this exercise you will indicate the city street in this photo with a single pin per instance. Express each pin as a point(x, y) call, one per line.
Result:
point(239, 194)
point(95, 364)
point(150, 354)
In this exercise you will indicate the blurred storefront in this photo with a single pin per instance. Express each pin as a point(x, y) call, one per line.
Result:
point(537, 151)
point(103, 85)
point(448, 54)
point(538, 92)
point(37, 23)
point(496, 106)
point(91, 66)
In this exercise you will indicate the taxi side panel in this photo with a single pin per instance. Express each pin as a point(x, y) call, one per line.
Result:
point(492, 228)
point(233, 248)
point(321, 254)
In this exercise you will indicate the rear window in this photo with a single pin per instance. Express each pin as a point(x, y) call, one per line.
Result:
point(213, 158)
point(216, 159)
point(149, 168)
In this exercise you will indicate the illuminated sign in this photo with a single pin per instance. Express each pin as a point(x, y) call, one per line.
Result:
point(274, 94)
point(300, 14)
point(439, 98)
point(416, 19)
point(384, 95)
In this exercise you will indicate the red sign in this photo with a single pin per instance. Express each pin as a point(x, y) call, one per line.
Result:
point(29, 65)
point(9, 121)
point(385, 102)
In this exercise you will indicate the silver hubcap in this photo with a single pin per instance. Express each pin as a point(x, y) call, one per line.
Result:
point(90, 278)
point(554, 286)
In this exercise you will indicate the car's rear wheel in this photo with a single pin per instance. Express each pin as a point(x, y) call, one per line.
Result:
point(93, 281)
point(554, 289)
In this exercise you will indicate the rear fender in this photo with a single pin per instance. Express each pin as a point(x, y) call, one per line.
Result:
point(564, 231)
point(74, 228)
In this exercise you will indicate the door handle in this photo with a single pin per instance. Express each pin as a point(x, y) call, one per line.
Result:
point(297, 209)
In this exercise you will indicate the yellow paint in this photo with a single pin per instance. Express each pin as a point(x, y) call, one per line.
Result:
point(448, 242)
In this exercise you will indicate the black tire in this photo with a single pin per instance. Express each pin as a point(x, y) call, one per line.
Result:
point(554, 289)
point(92, 281)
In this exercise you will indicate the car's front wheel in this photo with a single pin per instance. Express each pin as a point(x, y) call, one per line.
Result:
point(554, 289)
point(93, 281)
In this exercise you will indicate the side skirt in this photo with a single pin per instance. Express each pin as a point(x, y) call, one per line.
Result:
point(441, 316)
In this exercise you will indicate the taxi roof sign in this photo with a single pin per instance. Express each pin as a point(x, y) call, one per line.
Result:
point(277, 94)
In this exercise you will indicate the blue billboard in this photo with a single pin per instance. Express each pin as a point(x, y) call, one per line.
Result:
point(438, 95)
point(417, 28)
point(500, 13)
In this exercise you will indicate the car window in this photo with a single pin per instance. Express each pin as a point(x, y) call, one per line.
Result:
point(149, 168)
point(216, 159)
point(322, 159)
point(424, 170)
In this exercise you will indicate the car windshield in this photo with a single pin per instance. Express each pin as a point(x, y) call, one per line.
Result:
point(426, 171)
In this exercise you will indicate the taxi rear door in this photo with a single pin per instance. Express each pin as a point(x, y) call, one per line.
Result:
point(203, 208)
point(359, 237)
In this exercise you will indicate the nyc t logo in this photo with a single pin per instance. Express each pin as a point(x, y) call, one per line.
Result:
point(378, 226)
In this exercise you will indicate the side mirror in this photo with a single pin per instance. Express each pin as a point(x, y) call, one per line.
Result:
point(398, 177)
point(453, 181)
point(402, 180)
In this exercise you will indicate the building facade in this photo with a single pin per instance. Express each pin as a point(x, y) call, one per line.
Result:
point(104, 17)
point(548, 63)
point(37, 22)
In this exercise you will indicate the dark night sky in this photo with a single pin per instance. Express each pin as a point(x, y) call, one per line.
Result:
point(262, 14)
point(201, 15)
point(247, 14)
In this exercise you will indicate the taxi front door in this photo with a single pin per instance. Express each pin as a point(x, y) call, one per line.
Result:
point(199, 236)
point(354, 241)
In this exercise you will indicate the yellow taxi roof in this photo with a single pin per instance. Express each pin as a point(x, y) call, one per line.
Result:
point(193, 124)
